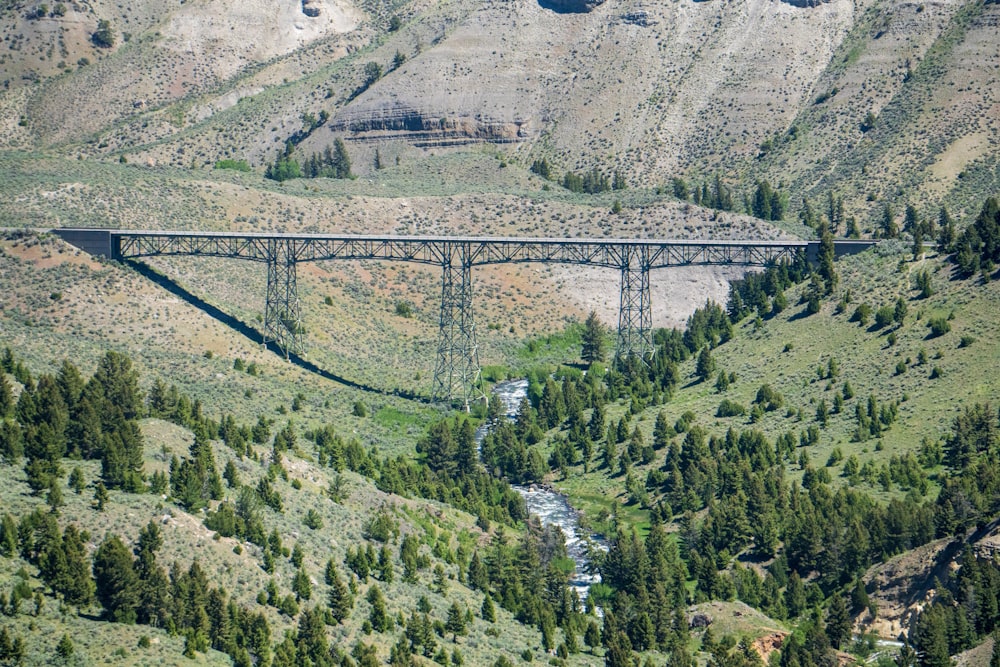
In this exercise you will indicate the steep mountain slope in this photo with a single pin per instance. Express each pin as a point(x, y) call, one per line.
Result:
point(748, 89)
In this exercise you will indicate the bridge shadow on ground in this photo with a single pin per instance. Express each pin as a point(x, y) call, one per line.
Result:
point(252, 334)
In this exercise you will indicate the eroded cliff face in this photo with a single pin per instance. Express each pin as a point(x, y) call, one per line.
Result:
point(571, 6)
point(425, 128)
point(806, 3)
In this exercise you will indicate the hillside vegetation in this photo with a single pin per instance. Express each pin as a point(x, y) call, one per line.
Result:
point(805, 473)
point(297, 520)
point(877, 101)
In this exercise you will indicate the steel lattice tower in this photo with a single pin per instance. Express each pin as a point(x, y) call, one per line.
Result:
point(282, 320)
point(457, 372)
point(635, 317)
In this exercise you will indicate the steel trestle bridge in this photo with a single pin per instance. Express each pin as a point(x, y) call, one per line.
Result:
point(456, 371)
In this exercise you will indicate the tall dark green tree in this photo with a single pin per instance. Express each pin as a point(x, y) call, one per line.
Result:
point(154, 587)
point(121, 454)
point(594, 339)
point(378, 616)
point(826, 256)
point(195, 481)
point(73, 581)
point(456, 621)
point(887, 227)
point(339, 598)
point(117, 582)
point(120, 383)
point(838, 621)
point(930, 636)
point(6, 397)
point(705, 366)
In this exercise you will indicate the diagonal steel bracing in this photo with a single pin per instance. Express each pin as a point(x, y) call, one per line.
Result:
point(282, 319)
point(635, 319)
point(457, 372)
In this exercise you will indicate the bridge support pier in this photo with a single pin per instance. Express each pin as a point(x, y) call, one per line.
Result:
point(456, 372)
point(635, 316)
point(282, 319)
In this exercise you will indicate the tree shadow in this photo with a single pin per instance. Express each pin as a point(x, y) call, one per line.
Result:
point(801, 315)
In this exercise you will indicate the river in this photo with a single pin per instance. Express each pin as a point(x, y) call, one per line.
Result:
point(551, 507)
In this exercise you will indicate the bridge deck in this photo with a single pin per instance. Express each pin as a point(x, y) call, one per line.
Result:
point(465, 250)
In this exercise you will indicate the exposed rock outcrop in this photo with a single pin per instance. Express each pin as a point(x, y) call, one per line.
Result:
point(571, 6)
point(310, 8)
point(640, 18)
point(424, 129)
point(806, 3)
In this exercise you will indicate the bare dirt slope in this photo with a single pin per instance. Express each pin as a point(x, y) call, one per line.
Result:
point(745, 88)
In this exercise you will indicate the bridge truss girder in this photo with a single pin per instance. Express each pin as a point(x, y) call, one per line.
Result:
point(457, 371)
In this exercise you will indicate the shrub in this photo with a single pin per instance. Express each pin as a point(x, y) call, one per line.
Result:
point(769, 398)
point(862, 314)
point(729, 408)
point(104, 36)
point(924, 284)
point(884, 316)
point(313, 520)
point(939, 326)
point(234, 165)
point(381, 527)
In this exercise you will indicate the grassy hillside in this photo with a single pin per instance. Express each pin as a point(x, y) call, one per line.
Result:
point(63, 305)
point(932, 378)
point(886, 362)
point(893, 103)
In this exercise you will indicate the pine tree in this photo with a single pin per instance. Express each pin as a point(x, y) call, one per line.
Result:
point(705, 365)
point(121, 455)
point(456, 621)
point(466, 457)
point(301, 585)
point(154, 586)
point(946, 233)
point(119, 383)
point(73, 581)
point(8, 536)
point(76, 480)
point(592, 636)
point(54, 498)
point(6, 398)
point(838, 622)
point(931, 637)
point(341, 160)
point(889, 229)
point(378, 616)
point(386, 573)
point(826, 257)
point(594, 343)
point(339, 598)
point(100, 496)
point(795, 595)
point(117, 583)
point(64, 649)
point(488, 612)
